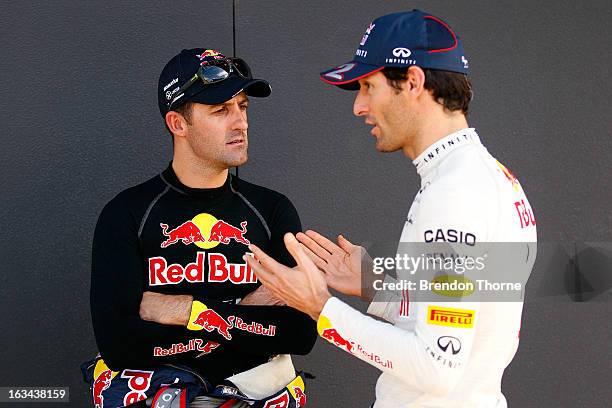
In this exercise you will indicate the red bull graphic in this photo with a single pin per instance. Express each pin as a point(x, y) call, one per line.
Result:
point(187, 233)
point(208, 348)
point(282, 401)
point(525, 214)
point(205, 231)
point(222, 232)
point(210, 53)
point(333, 336)
point(255, 328)
point(300, 397)
point(219, 270)
point(511, 178)
point(101, 383)
point(192, 345)
point(375, 358)
point(138, 382)
point(222, 271)
point(210, 320)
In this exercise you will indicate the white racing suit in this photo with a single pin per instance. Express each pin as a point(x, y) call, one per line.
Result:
point(434, 353)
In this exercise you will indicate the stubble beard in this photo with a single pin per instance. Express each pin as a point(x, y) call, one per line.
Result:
point(235, 157)
point(385, 143)
point(221, 157)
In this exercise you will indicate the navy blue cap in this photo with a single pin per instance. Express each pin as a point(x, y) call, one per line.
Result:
point(183, 66)
point(401, 40)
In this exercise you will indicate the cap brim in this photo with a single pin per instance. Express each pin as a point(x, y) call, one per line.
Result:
point(225, 90)
point(345, 76)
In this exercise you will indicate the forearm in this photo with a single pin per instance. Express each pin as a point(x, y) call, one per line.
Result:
point(275, 329)
point(265, 329)
point(402, 353)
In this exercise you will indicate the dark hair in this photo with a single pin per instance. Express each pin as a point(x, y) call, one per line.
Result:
point(186, 110)
point(453, 90)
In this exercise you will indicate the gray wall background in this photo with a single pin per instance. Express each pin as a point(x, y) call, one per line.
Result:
point(80, 123)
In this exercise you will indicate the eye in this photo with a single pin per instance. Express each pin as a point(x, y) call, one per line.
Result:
point(222, 109)
point(244, 106)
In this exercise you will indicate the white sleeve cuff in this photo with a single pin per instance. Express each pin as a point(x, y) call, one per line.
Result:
point(385, 303)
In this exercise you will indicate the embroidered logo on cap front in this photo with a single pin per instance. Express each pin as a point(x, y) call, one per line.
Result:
point(401, 52)
point(367, 33)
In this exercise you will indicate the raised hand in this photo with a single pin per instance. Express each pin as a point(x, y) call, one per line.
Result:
point(303, 287)
point(342, 263)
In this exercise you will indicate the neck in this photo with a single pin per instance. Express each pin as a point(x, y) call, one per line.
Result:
point(195, 174)
point(439, 123)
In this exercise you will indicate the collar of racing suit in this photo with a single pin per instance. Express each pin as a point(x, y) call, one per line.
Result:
point(171, 179)
point(434, 154)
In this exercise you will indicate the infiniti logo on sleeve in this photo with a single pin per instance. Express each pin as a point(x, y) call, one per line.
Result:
point(445, 341)
point(401, 52)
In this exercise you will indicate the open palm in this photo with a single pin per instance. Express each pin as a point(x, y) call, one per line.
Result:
point(342, 263)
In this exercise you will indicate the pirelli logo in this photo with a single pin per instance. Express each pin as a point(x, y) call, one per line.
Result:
point(450, 317)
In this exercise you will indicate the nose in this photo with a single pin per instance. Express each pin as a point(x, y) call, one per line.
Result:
point(240, 121)
point(360, 106)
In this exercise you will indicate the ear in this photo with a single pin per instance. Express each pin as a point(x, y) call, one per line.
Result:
point(176, 123)
point(415, 81)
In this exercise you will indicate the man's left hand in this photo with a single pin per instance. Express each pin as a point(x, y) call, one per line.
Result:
point(303, 287)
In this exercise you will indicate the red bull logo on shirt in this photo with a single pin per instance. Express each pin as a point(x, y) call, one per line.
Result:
point(219, 270)
point(326, 330)
point(210, 320)
point(222, 232)
point(329, 333)
point(253, 327)
point(333, 336)
point(511, 178)
point(192, 345)
point(205, 231)
point(187, 233)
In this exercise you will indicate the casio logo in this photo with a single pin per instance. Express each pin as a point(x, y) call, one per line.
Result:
point(401, 52)
point(450, 235)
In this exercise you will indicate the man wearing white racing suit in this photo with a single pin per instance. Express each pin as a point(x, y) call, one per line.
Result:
point(410, 71)
point(464, 189)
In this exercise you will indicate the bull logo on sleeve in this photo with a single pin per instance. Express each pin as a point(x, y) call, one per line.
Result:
point(210, 320)
point(333, 336)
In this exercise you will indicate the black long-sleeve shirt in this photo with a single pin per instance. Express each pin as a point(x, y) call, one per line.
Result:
point(165, 237)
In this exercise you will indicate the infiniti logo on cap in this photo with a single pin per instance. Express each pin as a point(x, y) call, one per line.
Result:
point(401, 52)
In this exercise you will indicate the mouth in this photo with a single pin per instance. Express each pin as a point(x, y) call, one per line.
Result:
point(374, 128)
point(236, 142)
